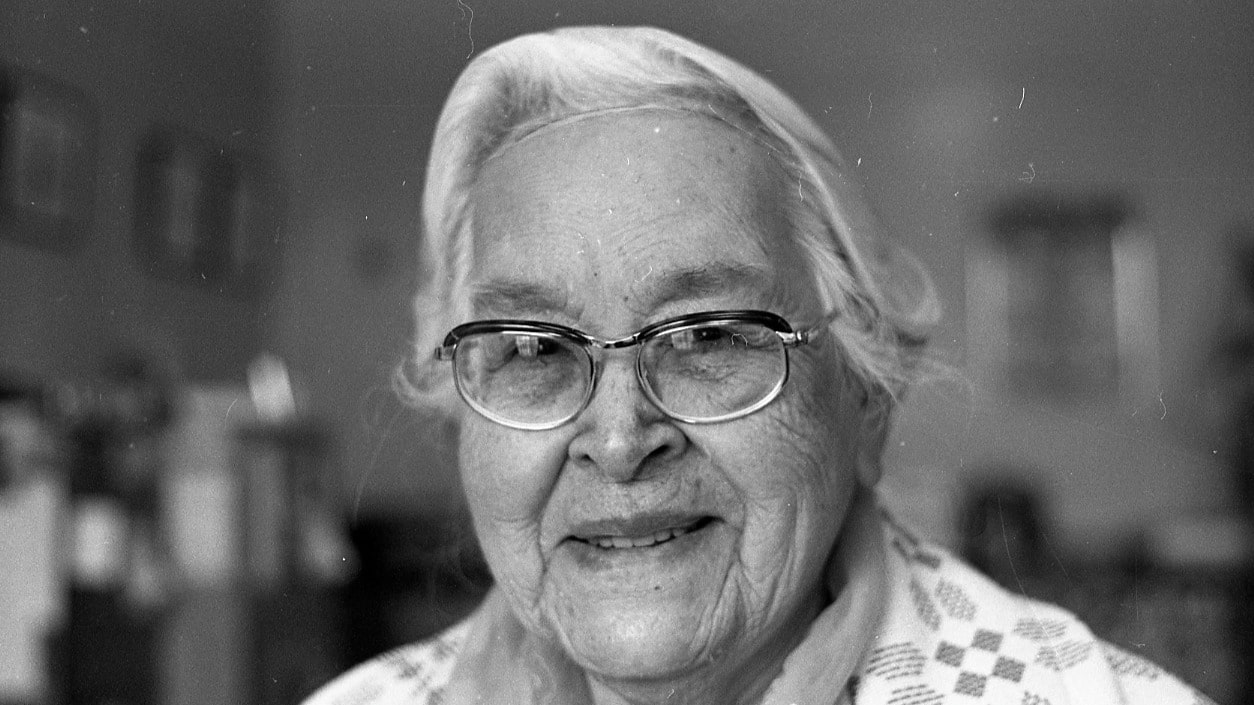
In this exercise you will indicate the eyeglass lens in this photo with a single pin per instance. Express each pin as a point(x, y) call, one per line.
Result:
point(702, 371)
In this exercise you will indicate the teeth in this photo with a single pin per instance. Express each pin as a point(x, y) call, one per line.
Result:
point(640, 541)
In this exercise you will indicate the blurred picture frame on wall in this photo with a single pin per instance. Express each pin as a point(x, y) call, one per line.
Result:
point(1062, 299)
point(200, 215)
point(48, 132)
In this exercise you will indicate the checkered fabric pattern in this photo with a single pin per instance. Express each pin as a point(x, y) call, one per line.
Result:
point(953, 637)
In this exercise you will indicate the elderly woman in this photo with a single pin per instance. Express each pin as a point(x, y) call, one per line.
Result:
point(672, 339)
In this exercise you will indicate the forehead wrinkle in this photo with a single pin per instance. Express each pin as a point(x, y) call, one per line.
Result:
point(508, 298)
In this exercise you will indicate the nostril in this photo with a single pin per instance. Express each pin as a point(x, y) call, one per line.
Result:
point(656, 454)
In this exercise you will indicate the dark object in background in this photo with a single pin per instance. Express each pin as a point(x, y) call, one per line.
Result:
point(417, 576)
point(1002, 535)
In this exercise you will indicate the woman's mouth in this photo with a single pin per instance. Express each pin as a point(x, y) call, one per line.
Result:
point(642, 539)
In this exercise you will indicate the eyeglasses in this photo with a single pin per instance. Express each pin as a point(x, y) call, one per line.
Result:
point(699, 368)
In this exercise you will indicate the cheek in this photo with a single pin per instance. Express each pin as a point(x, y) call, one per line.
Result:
point(795, 486)
point(807, 459)
point(508, 477)
point(507, 474)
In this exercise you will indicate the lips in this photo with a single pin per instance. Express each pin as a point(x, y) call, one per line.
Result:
point(639, 532)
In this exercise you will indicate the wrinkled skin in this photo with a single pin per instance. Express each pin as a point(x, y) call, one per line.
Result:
point(607, 223)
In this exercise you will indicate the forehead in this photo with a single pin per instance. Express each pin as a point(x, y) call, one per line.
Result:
point(645, 207)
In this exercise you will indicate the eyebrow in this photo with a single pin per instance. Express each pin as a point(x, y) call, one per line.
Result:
point(705, 281)
point(507, 297)
point(511, 298)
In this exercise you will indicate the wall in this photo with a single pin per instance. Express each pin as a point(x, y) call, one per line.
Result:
point(945, 107)
point(200, 67)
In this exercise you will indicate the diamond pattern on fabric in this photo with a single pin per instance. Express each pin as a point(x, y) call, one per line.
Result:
point(950, 654)
point(1041, 629)
point(1068, 654)
point(398, 660)
point(910, 549)
point(443, 649)
point(974, 673)
point(955, 601)
point(1033, 699)
point(924, 606)
point(915, 695)
point(970, 684)
point(1009, 669)
point(1126, 664)
point(896, 661)
point(986, 640)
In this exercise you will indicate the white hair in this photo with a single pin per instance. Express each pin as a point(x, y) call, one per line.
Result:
point(884, 302)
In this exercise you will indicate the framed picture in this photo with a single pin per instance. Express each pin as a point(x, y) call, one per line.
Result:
point(200, 216)
point(47, 160)
point(1062, 299)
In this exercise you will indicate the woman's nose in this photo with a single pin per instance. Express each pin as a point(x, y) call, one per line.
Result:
point(622, 434)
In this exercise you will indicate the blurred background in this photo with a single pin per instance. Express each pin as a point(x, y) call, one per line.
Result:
point(208, 226)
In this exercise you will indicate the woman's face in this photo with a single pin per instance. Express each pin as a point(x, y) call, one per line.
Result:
point(608, 223)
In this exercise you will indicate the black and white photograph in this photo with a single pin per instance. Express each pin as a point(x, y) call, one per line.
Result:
point(578, 352)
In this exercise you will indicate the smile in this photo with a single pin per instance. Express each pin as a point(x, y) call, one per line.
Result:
point(643, 540)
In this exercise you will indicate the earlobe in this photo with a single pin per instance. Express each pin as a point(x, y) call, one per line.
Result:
point(873, 436)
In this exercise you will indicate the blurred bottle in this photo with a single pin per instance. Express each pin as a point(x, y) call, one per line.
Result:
point(32, 507)
point(107, 653)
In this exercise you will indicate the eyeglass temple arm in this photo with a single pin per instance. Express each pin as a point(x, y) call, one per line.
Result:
point(795, 338)
point(805, 335)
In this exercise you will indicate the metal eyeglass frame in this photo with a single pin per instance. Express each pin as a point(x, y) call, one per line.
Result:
point(788, 337)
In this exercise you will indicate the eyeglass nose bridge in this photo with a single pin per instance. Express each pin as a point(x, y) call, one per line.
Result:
point(635, 340)
point(632, 340)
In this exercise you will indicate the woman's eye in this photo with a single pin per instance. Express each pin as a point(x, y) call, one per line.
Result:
point(532, 347)
point(692, 338)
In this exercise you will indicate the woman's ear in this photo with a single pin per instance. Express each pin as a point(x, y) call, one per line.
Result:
point(876, 422)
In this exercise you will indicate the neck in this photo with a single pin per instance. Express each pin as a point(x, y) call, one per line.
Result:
point(719, 682)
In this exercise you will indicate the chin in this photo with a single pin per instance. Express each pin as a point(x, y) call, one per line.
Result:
point(656, 647)
point(644, 612)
